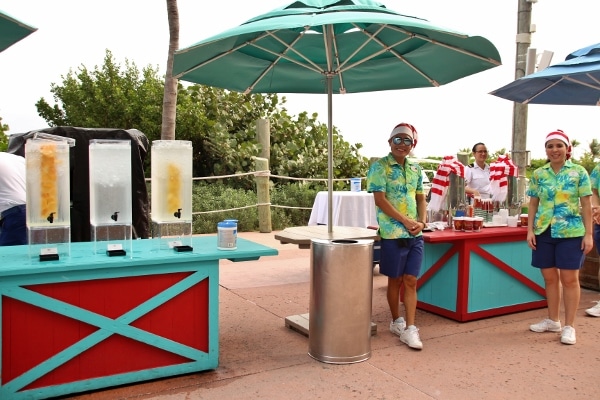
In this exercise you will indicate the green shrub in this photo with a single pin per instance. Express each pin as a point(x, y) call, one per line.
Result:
point(292, 195)
point(211, 196)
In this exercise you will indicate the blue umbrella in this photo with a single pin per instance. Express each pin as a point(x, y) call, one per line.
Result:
point(12, 30)
point(575, 81)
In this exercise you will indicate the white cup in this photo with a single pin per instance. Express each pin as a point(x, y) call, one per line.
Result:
point(512, 221)
point(497, 220)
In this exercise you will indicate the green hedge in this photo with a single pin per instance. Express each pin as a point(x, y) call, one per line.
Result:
point(210, 196)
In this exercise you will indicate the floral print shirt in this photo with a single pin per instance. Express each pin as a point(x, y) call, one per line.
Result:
point(401, 184)
point(558, 196)
point(595, 178)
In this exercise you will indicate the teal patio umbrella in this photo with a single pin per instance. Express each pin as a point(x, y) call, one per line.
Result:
point(12, 30)
point(333, 46)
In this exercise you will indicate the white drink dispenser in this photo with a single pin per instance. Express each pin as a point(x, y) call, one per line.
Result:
point(110, 196)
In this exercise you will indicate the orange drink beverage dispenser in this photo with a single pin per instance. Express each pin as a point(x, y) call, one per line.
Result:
point(48, 196)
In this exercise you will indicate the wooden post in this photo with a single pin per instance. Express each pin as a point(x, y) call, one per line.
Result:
point(263, 135)
point(263, 196)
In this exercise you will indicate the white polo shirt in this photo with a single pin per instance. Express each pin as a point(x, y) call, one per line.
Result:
point(12, 181)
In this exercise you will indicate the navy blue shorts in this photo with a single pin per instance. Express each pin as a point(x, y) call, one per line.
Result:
point(13, 226)
point(562, 253)
point(401, 256)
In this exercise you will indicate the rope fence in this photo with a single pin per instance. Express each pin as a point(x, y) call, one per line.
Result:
point(262, 173)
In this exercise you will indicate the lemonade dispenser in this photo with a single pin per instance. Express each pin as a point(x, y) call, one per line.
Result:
point(171, 194)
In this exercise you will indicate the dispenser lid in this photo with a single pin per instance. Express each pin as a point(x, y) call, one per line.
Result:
point(54, 138)
point(172, 143)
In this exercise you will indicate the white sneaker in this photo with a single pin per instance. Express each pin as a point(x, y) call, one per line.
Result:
point(546, 325)
point(410, 336)
point(398, 326)
point(594, 311)
point(568, 335)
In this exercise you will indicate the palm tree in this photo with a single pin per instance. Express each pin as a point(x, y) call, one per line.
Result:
point(170, 94)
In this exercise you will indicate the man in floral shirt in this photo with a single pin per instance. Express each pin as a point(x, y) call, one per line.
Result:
point(397, 186)
point(560, 235)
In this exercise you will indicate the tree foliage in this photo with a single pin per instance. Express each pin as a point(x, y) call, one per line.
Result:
point(107, 97)
point(3, 137)
point(220, 124)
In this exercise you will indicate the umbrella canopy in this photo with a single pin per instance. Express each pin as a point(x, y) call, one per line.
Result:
point(12, 30)
point(575, 81)
point(333, 46)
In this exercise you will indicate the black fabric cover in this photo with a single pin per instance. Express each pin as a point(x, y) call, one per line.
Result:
point(80, 175)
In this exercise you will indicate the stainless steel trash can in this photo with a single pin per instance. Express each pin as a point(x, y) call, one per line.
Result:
point(341, 292)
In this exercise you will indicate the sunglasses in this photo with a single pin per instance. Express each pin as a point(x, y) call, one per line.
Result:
point(405, 141)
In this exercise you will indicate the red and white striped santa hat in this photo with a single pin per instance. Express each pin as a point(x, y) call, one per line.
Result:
point(560, 135)
point(405, 128)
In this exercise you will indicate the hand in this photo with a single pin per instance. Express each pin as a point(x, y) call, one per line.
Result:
point(596, 214)
point(414, 227)
point(587, 244)
point(531, 239)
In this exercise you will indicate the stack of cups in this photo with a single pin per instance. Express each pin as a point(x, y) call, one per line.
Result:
point(468, 224)
point(457, 223)
point(477, 224)
point(355, 185)
point(227, 235)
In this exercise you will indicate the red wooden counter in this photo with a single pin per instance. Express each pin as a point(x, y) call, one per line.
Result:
point(471, 275)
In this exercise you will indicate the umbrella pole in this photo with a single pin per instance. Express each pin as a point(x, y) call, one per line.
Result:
point(328, 31)
point(329, 154)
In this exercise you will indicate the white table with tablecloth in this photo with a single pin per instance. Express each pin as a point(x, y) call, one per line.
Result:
point(348, 209)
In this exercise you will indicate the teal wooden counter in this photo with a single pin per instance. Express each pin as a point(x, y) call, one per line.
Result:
point(90, 321)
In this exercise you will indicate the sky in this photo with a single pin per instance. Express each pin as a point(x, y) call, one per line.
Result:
point(72, 33)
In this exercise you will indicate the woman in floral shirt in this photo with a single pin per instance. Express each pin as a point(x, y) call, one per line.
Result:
point(560, 235)
point(595, 178)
